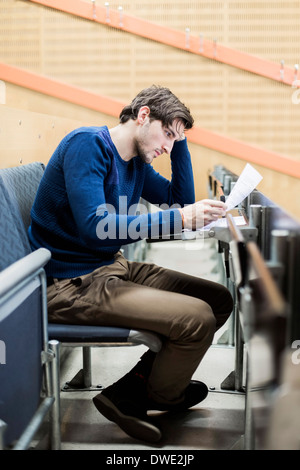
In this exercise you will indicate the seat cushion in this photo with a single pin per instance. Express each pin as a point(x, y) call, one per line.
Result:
point(87, 333)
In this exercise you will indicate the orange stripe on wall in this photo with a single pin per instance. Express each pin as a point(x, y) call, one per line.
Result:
point(174, 38)
point(60, 90)
point(112, 107)
point(245, 151)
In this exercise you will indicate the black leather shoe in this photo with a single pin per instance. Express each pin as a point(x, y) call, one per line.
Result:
point(127, 407)
point(195, 393)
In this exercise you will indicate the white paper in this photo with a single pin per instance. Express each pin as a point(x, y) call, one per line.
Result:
point(246, 183)
point(248, 180)
point(222, 222)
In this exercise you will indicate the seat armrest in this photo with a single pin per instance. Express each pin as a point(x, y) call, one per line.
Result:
point(23, 268)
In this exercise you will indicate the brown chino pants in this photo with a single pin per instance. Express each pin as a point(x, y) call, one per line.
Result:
point(186, 310)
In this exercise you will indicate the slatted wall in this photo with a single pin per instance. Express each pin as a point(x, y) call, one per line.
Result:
point(223, 99)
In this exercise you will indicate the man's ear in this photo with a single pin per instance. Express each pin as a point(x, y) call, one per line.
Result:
point(143, 114)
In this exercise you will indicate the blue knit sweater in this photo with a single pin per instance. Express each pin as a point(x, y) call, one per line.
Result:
point(84, 210)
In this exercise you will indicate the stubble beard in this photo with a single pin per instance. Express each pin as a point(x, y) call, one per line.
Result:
point(142, 154)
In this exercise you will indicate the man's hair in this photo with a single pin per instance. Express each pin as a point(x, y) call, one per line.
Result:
point(163, 104)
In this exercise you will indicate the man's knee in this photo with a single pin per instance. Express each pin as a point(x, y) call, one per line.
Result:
point(225, 300)
point(209, 322)
point(201, 321)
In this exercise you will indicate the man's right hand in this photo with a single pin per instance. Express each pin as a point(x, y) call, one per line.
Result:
point(201, 213)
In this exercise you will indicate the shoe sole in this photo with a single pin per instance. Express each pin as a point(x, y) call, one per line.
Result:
point(134, 427)
point(185, 405)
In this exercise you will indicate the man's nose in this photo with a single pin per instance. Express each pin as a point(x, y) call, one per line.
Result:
point(167, 148)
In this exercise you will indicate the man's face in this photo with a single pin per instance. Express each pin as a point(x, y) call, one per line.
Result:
point(154, 138)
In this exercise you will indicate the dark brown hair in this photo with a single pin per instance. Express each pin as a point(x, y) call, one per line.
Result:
point(163, 104)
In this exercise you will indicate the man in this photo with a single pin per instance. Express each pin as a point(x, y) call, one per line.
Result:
point(83, 214)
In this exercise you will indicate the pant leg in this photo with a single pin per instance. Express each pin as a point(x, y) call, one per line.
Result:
point(213, 294)
point(126, 295)
point(216, 295)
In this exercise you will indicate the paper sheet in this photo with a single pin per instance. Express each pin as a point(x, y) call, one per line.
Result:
point(248, 180)
point(222, 222)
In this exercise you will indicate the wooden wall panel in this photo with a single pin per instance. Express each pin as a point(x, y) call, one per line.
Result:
point(18, 97)
point(114, 63)
point(26, 136)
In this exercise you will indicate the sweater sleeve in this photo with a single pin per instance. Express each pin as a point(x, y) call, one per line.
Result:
point(180, 190)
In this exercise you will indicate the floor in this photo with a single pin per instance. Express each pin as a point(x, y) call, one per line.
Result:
point(215, 424)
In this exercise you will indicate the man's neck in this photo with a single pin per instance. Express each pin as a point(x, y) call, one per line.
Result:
point(123, 138)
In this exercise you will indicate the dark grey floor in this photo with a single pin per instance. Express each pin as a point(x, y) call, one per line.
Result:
point(215, 424)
